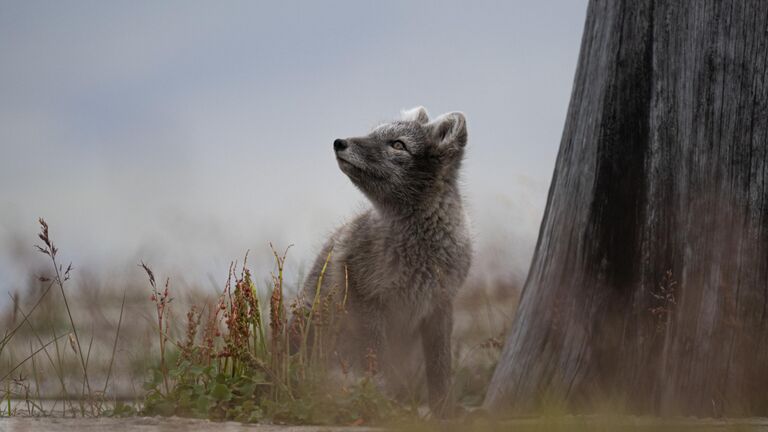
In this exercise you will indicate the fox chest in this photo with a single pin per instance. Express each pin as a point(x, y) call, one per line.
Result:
point(409, 277)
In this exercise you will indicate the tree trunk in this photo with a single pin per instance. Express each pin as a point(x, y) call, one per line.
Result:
point(648, 289)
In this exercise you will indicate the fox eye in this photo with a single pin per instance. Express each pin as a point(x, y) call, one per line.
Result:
point(398, 145)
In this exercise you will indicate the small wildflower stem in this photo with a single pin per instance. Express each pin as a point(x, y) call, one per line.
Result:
point(280, 360)
point(29, 357)
point(60, 283)
point(315, 302)
point(162, 335)
point(258, 320)
point(25, 319)
point(161, 300)
point(114, 346)
point(9, 335)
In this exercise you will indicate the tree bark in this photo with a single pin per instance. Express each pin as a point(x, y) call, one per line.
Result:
point(648, 288)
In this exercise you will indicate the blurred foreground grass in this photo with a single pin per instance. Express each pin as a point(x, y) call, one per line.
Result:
point(87, 347)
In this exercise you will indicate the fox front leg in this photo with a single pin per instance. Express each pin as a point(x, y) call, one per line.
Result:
point(436, 341)
point(372, 343)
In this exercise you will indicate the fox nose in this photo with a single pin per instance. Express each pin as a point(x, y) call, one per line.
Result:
point(340, 144)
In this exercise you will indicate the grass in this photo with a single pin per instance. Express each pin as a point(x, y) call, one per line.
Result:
point(240, 366)
point(88, 401)
point(227, 355)
point(243, 353)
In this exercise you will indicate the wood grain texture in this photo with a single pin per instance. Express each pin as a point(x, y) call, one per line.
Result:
point(663, 167)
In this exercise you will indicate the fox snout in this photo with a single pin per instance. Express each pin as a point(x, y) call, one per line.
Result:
point(340, 145)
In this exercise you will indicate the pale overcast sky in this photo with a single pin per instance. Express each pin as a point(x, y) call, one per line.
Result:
point(184, 133)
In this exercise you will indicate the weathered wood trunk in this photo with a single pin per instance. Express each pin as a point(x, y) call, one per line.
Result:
point(648, 289)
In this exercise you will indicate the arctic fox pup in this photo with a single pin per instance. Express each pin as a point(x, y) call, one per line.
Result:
point(402, 261)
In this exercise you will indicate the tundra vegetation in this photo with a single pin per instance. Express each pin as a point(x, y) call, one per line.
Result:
point(69, 351)
point(72, 351)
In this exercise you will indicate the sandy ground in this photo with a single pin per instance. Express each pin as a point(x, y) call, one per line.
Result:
point(560, 424)
point(145, 424)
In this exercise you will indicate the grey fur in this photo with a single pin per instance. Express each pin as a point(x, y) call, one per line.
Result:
point(408, 255)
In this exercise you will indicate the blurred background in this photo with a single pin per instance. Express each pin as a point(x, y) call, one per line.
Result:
point(184, 133)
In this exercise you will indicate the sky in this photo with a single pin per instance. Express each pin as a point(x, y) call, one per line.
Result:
point(184, 133)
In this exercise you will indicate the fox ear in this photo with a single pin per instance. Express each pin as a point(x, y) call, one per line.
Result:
point(450, 130)
point(418, 115)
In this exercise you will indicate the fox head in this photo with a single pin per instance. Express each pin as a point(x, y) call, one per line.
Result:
point(406, 162)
